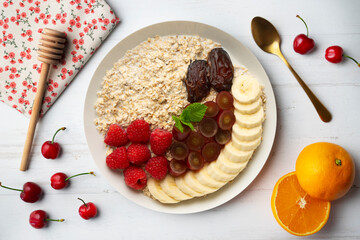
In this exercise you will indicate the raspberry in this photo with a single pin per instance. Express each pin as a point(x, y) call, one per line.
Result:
point(135, 177)
point(157, 167)
point(160, 141)
point(139, 131)
point(138, 153)
point(118, 159)
point(116, 136)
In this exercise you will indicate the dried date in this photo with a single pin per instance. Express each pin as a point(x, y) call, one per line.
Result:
point(221, 70)
point(197, 81)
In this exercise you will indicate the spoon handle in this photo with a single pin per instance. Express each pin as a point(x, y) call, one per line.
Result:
point(324, 114)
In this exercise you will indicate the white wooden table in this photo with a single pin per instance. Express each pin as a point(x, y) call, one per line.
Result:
point(248, 216)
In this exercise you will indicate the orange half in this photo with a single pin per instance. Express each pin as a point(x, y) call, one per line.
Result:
point(295, 210)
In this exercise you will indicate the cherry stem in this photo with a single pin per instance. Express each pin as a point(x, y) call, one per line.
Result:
point(92, 173)
point(352, 59)
point(83, 202)
point(52, 141)
point(307, 29)
point(11, 188)
point(54, 220)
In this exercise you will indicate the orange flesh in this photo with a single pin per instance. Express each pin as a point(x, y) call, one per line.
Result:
point(297, 212)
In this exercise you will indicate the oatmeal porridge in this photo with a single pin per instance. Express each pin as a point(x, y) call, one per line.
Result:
point(147, 83)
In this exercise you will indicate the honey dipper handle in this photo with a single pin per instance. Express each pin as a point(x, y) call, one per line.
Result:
point(34, 116)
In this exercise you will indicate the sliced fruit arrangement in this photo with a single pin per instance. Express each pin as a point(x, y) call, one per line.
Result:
point(210, 143)
point(217, 153)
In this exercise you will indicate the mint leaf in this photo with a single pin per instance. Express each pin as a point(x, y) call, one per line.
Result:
point(185, 115)
point(189, 124)
point(196, 112)
point(193, 113)
point(178, 124)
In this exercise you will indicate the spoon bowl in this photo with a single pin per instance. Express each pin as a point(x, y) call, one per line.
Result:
point(265, 35)
point(268, 39)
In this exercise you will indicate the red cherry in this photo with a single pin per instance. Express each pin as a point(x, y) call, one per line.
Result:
point(87, 210)
point(334, 54)
point(61, 180)
point(39, 218)
point(51, 149)
point(302, 43)
point(31, 192)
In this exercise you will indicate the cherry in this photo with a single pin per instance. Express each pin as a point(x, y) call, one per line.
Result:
point(30, 193)
point(51, 149)
point(302, 43)
point(334, 54)
point(87, 210)
point(39, 218)
point(61, 180)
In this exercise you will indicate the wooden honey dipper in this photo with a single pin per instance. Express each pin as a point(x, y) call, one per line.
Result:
point(51, 49)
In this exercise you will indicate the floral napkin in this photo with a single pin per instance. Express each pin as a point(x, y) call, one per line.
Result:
point(86, 23)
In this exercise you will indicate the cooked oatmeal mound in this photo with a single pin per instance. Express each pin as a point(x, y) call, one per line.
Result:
point(147, 83)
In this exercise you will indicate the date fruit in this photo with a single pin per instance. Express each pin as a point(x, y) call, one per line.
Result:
point(197, 82)
point(221, 70)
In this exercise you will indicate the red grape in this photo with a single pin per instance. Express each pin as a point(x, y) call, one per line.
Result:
point(177, 167)
point(195, 141)
point(181, 136)
point(226, 119)
point(210, 151)
point(208, 127)
point(179, 150)
point(212, 109)
point(195, 161)
point(223, 136)
point(225, 100)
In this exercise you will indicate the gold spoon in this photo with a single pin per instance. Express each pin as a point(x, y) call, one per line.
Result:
point(268, 39)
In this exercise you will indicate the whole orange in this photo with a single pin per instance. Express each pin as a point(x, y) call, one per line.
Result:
point(325, 170)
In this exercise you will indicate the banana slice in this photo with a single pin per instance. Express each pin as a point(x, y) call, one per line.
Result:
point(246, 89)
point(246, 145)
point(157, 192)
point(229, 167)
point(180, 182)
point(246, 134)
point(205, 179)
point(169, 186)
point(194, 184)
point(218, 174)
point(248, 108)
point(250, 120)
point(235, 155)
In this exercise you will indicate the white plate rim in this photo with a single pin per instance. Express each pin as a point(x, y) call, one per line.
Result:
point(228, 192)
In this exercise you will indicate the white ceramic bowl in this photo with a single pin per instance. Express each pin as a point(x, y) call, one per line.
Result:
point(239, 55)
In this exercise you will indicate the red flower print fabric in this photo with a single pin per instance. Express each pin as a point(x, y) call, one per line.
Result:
point(86, 24)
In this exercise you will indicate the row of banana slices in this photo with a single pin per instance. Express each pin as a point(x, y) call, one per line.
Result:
point(246, 137)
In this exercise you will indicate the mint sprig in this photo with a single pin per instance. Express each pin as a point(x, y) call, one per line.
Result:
point(193, 113)
point(178, 123)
